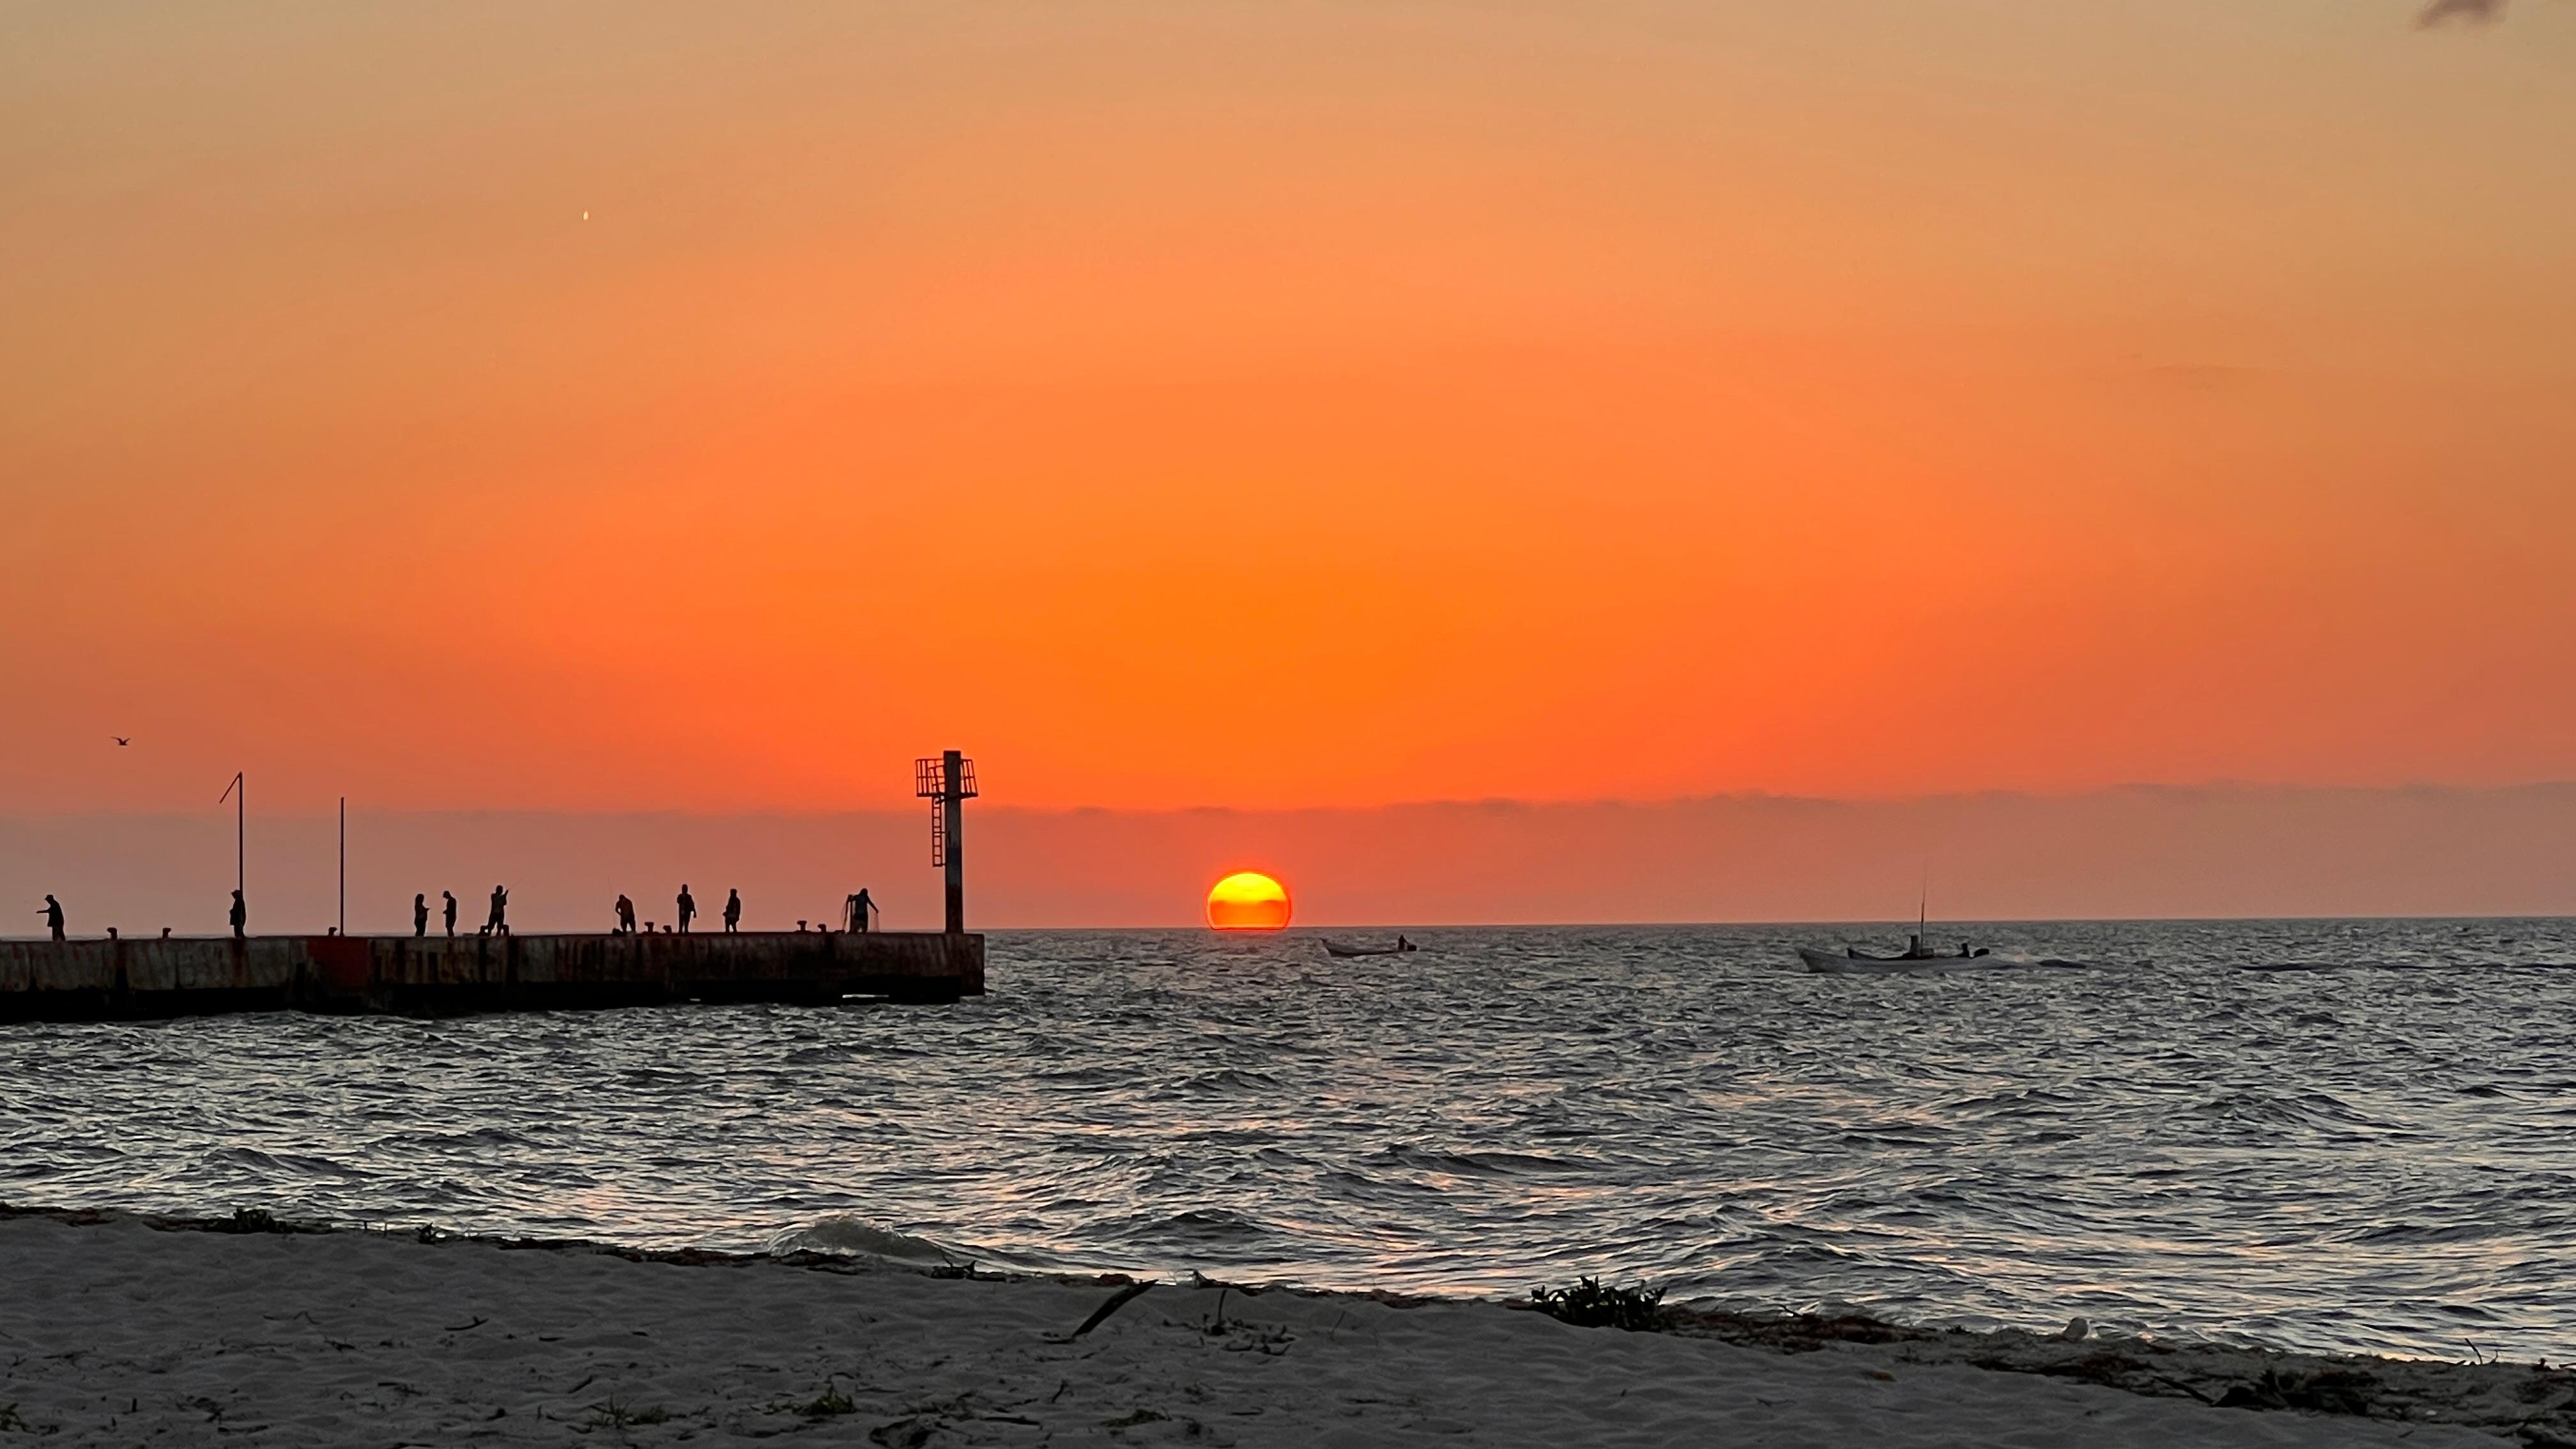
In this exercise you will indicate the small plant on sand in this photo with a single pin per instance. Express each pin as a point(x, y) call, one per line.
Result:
point(831, 1403)
point(614, 1415)
point(1590, 1303)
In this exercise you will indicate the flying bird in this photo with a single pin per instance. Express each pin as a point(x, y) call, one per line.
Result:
point(2470, 12)
point(122, 740)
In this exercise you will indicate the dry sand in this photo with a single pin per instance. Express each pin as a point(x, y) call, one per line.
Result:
point(116, 1331)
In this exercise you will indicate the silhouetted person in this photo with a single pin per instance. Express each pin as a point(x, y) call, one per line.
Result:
point(450, 898)
point(625, 916)
point(1402, 945)
point(419, 915)
point(53, 914)
point(733, 910)
point(499, 924)
point(240, 915)
point(688, 908)
point(860, 909)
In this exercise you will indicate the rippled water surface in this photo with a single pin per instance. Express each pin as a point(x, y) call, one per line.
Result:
point(2375, 1148)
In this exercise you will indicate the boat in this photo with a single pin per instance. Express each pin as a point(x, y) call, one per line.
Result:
point(1400, 948)
point(1916, 957)
point(1852, 963)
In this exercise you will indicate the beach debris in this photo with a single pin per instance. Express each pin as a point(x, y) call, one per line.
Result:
point(1590, 1303)
point(2076, 1330)
point(1100, 1315)
point(2327, 1391)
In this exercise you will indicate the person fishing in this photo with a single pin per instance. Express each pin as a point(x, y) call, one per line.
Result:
point(732, 910)
point(499, 924)
point(240, 916)
point(625, 915)
point(688, 908)
point(450, 898)
point(53, 914)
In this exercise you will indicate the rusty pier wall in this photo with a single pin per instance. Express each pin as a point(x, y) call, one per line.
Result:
point(105, 980)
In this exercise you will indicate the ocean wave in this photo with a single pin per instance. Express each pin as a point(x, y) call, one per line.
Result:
point(859, 1238)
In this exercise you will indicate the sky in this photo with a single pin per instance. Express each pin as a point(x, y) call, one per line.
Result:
point(1281, 407)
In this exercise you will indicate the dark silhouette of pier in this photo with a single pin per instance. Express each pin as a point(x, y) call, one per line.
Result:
point(115, 979)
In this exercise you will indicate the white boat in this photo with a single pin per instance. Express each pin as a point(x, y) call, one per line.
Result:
point(1916, 957)
point(1851, 963)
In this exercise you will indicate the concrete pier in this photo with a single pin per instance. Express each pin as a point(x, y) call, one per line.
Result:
point(106, 980)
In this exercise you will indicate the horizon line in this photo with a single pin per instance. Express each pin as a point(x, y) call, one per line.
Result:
point(2137, 787)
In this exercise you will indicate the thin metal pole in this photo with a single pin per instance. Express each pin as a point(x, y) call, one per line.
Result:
point(239, 793)
point(344, 865)
point(952, 771)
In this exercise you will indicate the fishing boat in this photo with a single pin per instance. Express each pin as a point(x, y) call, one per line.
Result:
point(1851, 961)
point(1400, 948)
point(1916, 957)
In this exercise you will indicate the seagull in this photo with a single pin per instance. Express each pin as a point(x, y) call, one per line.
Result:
point(122, 740)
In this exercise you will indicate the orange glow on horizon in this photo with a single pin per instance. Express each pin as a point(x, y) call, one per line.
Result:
point(1248, 901)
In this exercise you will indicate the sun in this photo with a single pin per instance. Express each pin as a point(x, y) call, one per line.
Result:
point(1247, 901)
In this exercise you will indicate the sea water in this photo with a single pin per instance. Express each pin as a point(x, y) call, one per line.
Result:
point(2347, 1135)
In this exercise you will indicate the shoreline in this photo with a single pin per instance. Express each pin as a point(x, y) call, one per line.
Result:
point(1384, 1366)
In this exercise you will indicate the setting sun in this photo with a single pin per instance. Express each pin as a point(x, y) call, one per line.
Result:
point(1247, 901)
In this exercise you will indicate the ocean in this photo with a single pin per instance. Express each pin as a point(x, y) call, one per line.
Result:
point(2348, 1135)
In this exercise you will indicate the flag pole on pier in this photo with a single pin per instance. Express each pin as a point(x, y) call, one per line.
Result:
point(239, 793)
point(344, 865)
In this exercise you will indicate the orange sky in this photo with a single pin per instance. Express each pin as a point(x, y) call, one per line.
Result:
point(1281, 405)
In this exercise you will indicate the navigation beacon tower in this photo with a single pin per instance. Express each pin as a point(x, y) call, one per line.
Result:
point(947, 782)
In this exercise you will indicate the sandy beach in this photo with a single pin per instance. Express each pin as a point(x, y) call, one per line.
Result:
point(119, 1330)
